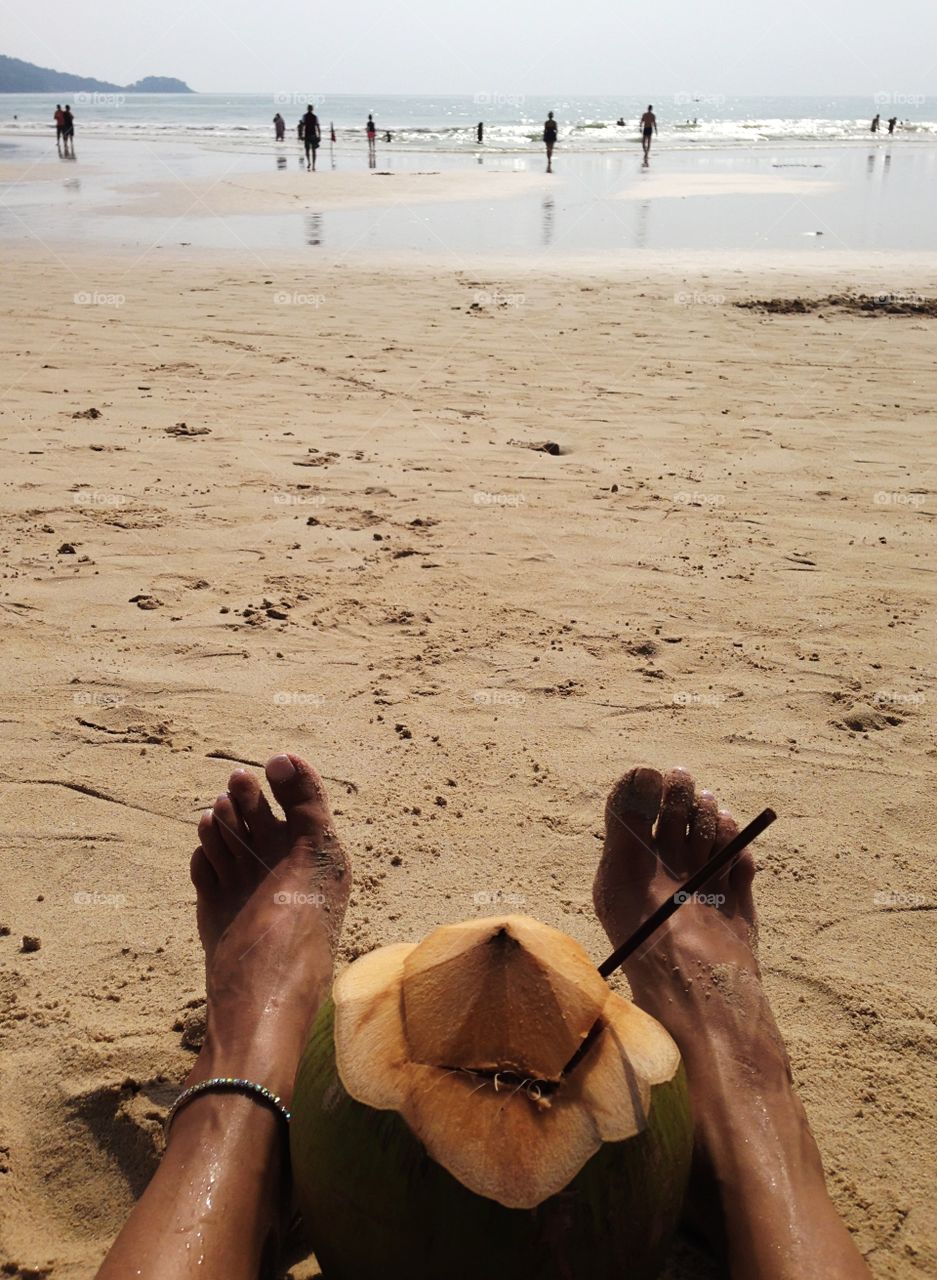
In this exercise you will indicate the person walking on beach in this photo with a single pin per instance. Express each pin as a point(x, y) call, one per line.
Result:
point(59, 118)
point(279, 125)
point(372, 134)
point(648, 129)
point(876, 122)
point(549, 139)
point(312, 136)
point(68, 132)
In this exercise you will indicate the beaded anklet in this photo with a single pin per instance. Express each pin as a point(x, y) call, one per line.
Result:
point(259, 1092)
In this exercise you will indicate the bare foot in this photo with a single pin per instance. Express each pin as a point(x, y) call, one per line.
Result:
point(698, 975)
point(758, 1187)
point(271, 895)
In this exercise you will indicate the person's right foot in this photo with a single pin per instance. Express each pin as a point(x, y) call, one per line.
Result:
point(758, 1191)
point(698, 975)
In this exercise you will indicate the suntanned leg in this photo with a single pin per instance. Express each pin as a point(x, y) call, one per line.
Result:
point(699, 977)
point(271, 895)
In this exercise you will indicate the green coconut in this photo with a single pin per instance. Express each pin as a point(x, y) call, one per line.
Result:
point(482, 1105)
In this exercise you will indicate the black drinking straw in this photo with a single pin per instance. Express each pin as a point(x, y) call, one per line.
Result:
point(687, 890)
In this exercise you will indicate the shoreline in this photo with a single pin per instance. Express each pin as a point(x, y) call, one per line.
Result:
point(138, 195)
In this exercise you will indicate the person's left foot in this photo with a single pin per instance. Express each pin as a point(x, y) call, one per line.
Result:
point(271, 896)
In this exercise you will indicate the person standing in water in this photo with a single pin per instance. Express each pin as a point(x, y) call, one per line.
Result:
point(876, 122)
point(892, 122)
point(58, 117)
point(480, 132)
point(312, 136)
point(371, 129)
point(648, 129)
point(279, 125)
point(549, 139)
point(68, 132)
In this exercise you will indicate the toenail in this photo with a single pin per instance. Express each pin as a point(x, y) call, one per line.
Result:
point(281, 769)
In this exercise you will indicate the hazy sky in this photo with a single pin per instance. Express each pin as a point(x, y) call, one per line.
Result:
point(651, 49)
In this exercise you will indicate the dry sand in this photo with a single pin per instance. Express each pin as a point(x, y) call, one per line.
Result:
point(730, 567)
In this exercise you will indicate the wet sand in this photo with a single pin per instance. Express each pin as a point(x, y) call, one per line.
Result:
point(347, 550)
point(815, 201)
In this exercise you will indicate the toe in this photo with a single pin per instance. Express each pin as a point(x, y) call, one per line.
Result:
point(630, 812)
point(726, 829)
point(231, 829)
point(299, 789)
point(704, 825)
point(213, 847)
point(629, 861)
point(677, 804)
point(200, 869)
point(245, 790)
point(741, 878)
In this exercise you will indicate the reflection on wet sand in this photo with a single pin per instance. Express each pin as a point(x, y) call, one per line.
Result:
point(548, 212)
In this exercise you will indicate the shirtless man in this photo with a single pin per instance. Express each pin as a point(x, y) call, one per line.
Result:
point(218, 1204)
point(648, 129)
point(312, 136)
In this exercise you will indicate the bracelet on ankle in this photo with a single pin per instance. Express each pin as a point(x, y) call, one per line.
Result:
point(259, 1092)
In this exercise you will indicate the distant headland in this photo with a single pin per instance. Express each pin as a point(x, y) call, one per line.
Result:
point(17, 76)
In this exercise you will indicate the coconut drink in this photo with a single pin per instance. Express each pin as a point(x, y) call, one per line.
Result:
point(482, 1104)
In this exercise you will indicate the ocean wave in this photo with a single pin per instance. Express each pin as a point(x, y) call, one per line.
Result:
point(518, 135)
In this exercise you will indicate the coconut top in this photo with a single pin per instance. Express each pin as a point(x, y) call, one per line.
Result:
point(467, 1035)
point(499, 995)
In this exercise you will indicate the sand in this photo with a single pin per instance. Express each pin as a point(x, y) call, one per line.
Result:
point(347, 552)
